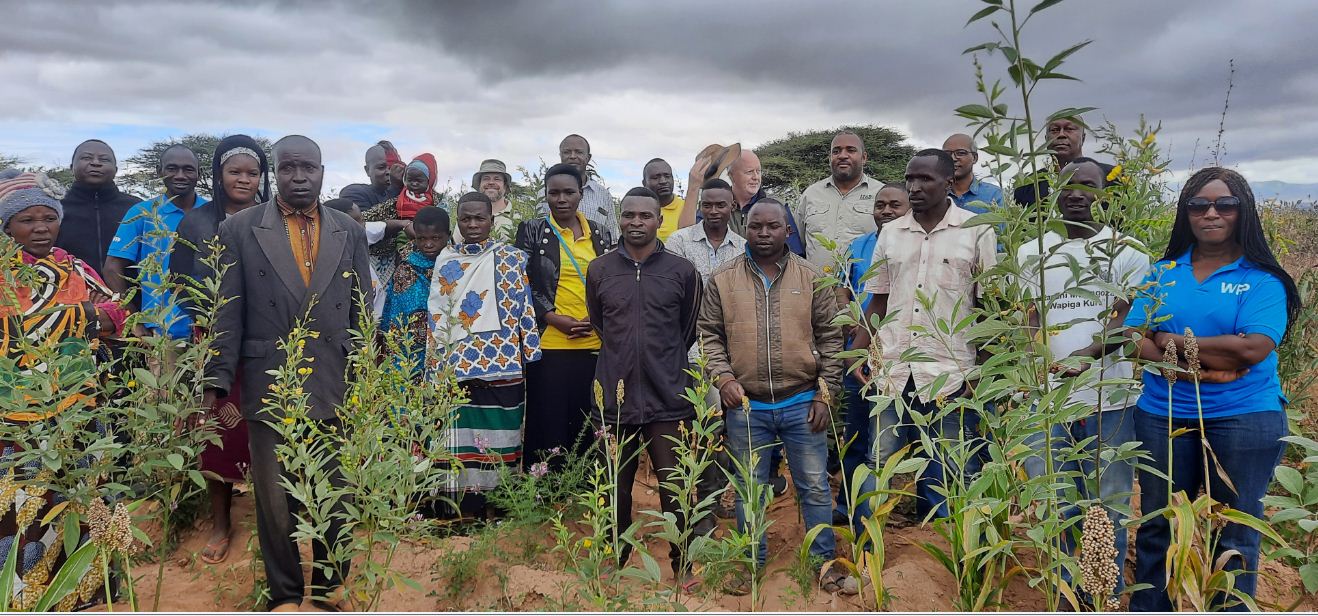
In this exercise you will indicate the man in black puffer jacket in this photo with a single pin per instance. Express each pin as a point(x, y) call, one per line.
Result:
point(94, 206)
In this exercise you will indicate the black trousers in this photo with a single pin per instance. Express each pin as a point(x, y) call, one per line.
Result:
point(559, 389)
point(275, 525)
point(654, 438)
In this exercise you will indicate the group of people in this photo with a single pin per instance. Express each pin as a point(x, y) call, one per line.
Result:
point(532, 316)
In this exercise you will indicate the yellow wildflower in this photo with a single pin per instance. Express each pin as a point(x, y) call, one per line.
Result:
point(1114, 173)
point(608, 549)
point(304, 371)
point(288, 421)
point(132, 384)
point(1148, 139)
point(586, 543)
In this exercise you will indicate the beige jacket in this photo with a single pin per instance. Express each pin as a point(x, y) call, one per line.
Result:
point(776, 341)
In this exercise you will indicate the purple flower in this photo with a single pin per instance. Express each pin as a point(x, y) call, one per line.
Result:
point(539, 469)
point(555, 451)
point(482, 444)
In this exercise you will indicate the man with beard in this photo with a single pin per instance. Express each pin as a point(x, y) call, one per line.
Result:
point(839, 207)
point(146, 232)
point(969, 192)
point(657, 175)
point(93, 206)
point(643, 301)
point(384, 168)
point(493, 180)
point(280, 256)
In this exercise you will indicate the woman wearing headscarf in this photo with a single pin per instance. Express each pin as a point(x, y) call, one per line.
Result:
point(419, 179)
point(54, 308)
point(240, 178)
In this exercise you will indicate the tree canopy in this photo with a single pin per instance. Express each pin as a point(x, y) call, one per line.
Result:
point(137, 173)
point(801, 159)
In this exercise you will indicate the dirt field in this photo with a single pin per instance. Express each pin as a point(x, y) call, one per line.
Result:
point(916, 580)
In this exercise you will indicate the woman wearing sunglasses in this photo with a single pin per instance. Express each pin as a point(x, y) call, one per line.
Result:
point(1219, 280)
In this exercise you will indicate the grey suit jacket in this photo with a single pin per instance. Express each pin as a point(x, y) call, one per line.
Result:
point(268, 297)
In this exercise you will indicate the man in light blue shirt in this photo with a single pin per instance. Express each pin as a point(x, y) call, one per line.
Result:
point(147, 230)
point(969, 192)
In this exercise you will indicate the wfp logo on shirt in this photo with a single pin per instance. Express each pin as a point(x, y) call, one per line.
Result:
point(1234, 289)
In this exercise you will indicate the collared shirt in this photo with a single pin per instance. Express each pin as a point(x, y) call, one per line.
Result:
point(570, 300)
point(825, 210)
point(693, 244)
point(672, 212)
point(303, 228)
point(1238, 298)
point(148, 229)
point(860, 255)
point(979, 197)
point(929, 277)
point(1078, 278)
point(598, 207)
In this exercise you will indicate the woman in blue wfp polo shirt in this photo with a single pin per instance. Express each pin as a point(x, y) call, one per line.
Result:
point(1220, 280)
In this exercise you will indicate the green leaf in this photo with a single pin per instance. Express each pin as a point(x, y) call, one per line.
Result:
point(1309, 575)
point(975, 111)
point(71, 533)
point(1042, 6)
point(175, 460)
point(1290, 479)
point(67, 578)
point(7, 576)
point(982, 13)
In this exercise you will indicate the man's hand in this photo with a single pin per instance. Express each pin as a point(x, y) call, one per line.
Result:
point(818, 416)
point(1067, 371)
point(697, 175)
point(731, 394)
point(573, 328)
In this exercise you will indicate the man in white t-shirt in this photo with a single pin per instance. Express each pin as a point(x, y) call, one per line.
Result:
point(1086, 276)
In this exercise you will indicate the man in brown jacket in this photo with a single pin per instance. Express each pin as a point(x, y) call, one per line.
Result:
point(770, 340)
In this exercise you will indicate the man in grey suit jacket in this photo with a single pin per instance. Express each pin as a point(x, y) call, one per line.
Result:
point(285, 257)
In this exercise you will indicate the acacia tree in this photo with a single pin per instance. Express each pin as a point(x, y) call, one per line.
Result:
point(801, 159)
point(138, 172)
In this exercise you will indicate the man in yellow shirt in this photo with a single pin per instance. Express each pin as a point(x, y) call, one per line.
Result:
point(658, 177)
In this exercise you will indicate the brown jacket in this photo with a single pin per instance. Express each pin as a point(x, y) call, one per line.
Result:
point(776, 342)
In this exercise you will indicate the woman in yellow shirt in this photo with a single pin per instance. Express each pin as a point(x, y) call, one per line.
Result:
point(560, 248)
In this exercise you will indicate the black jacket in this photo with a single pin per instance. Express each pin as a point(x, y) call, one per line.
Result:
point(645, 314)
point(91, 218)
point(536, 238)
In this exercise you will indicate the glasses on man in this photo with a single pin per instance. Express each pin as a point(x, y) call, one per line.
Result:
point(1198, 206)
point(958, 153)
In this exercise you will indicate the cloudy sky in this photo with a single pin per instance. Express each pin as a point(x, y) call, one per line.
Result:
point(471, 80)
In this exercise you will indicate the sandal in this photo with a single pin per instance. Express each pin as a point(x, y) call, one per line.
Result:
point(835, 580)
point(217, 551)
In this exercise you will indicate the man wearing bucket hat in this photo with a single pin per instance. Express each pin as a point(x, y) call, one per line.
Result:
point(492, 179)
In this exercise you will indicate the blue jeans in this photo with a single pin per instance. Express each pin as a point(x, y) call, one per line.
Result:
point(856, 438)
point(1115, 480)
point(1249, 447)
point(896, 434)
point(807, 458)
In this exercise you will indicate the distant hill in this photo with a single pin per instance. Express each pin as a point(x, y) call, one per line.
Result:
point(1285, 191)
point(1273, 190)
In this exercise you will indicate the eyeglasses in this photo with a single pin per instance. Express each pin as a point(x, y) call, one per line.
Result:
point(1198, 206)
point(958, 153)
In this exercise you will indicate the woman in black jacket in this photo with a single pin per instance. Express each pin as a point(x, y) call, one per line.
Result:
point(560, 248)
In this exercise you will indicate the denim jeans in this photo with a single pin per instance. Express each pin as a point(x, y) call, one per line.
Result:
point(856, 438)
point(1249, 447)
point(807, 458)
point(1115, 480)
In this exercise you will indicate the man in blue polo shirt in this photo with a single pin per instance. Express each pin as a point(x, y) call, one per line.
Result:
point(147, 229)
point(968, 191)
point(890, 203)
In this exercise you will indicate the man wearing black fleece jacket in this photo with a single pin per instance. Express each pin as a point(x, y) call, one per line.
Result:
point(93, 206)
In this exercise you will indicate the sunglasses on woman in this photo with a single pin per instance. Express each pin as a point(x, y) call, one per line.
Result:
point(1198, 206)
